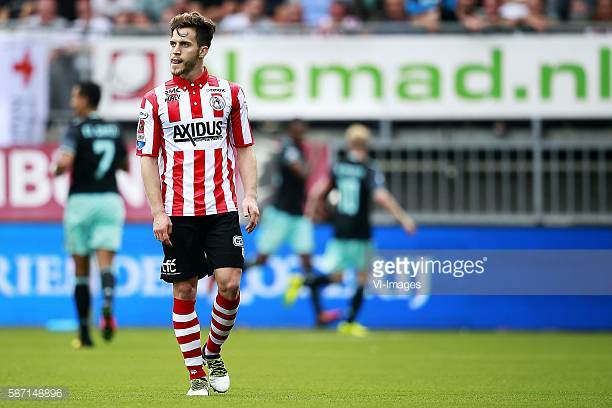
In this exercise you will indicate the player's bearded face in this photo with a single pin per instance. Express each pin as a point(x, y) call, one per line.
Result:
point(184, 51)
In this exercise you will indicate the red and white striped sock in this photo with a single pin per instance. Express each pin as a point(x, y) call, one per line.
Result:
point(187, 332)
point(223, 318)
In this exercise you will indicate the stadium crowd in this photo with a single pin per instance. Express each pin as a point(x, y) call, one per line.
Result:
point(320, 16)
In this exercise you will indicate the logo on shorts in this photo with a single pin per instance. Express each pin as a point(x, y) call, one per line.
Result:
point(238, 240)
point(169, 267)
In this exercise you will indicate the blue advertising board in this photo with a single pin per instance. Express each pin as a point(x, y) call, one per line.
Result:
point(37, 279)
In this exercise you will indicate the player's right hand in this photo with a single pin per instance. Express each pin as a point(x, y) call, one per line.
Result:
point(162, 228)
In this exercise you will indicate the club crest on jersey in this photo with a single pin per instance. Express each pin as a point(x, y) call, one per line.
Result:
point(217, 102)
point(172, 94)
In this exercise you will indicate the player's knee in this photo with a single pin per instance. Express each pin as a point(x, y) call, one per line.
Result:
point(336, 277)
point(306, 262)
point(362, 278)
point(230, 287)
point(184, 290)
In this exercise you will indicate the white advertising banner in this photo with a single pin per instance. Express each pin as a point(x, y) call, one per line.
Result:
point(24, 90)
point(382, 77)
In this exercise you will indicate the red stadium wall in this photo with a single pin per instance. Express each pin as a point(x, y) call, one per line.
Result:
point(28, 191)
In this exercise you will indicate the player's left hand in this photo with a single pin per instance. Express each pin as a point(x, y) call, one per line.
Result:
point(409, 225)
point(251, 211)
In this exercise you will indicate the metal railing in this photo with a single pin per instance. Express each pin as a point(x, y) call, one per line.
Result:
point(528, 181)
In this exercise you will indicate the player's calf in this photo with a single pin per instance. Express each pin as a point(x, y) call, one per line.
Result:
point(108, 288)
point(187, 331)
point(223, 315)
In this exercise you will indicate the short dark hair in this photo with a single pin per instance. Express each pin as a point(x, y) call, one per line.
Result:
point(91, 91)
point(204, 26)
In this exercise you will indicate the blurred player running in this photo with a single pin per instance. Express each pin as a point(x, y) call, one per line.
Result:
point(357, 181)
point(198, 124)
point(284, 220)
point(94, 214)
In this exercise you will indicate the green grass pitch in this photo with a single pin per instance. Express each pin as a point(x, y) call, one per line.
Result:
point(143, 368)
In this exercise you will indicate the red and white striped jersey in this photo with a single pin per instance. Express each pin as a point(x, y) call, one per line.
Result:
point(196, 127)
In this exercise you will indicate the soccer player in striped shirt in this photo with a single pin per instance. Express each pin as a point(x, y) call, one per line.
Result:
point(193, 131)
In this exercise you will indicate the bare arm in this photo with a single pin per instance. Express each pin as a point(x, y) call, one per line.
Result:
point(62, 162)
point(125, 165)
point(162, 226)
point(318, 191)
point(247, 165)
point(300, 169)
point(383, 198)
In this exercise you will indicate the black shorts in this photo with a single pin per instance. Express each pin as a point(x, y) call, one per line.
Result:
point(202, 244)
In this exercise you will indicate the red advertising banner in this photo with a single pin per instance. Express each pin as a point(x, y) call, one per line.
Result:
point(29, 192)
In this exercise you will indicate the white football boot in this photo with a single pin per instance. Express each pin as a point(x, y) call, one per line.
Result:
point(199, 387)
point(217, 374)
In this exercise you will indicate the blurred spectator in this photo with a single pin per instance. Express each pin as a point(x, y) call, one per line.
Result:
point(314, 10)
point(89, 23)
point(251, 17)
point(67, 9)
point(425, 13)
point(490, 9)
point(524, 13)
point(45, 17)
point(154, 8)
point(326, 15)
point(468, 16)
point(394, 10)
point(368, 10)
point(575, 10)
point(338, 19)
point(111, 8)
point(28, 8)
point(166, 16)
point(218, 12)
point(177, 7)
point(10, 9)
point(288, 14)
point(130, 18)
point(229, 7)
point(603, 11)
point(141, 20)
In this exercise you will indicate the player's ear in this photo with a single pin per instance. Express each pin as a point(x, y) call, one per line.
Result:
point(203, 51)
